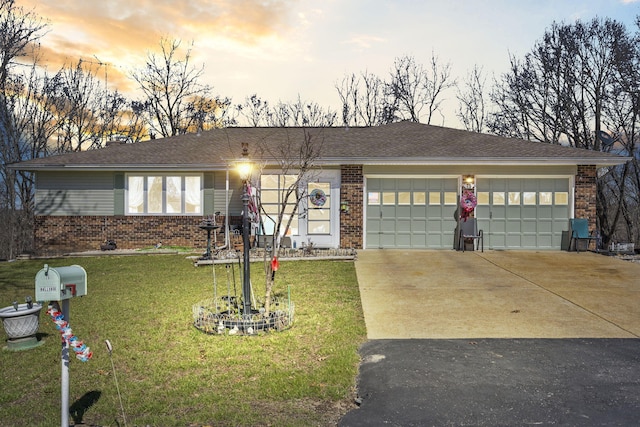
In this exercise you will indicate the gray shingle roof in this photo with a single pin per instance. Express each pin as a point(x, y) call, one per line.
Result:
point(395, 143)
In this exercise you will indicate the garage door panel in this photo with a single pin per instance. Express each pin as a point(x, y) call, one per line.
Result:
point(545, 226)
point(529, 212)
point(388, 225)
point(545, 241)
point(388, 211)
point(529, 241)
point(418, 240)
point(513, 226)
point(418, 225)
point(545, 212)
point(498, 213)
point(403, 240)
point(410, 212)
point(497, 240)
point(403, 211)
point(513, 212)
point(529, 226)
point(514, 240)
point(523, 212)
point(419, 211)
point(403, 225)
point(387, 240)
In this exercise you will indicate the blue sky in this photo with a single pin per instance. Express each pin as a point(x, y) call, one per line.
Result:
point(280, 49)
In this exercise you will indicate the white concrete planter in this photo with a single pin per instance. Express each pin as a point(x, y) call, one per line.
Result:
point(22, 323)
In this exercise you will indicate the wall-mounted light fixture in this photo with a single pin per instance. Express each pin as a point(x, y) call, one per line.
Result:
point(344, 206)
point(468, 182)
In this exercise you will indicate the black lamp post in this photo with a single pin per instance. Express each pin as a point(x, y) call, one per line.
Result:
point(244, 167)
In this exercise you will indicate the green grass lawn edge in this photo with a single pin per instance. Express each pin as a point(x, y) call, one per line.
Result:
point(171, 374)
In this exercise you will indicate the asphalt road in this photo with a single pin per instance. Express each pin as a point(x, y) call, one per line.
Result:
point(498, 382)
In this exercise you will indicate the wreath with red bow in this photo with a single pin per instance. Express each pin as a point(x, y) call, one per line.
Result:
point(468, 203)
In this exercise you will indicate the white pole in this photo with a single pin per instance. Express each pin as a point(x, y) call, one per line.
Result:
point(64, 379)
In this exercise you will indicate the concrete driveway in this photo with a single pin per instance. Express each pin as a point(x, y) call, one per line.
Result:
point(498, 294)
point(487, 351)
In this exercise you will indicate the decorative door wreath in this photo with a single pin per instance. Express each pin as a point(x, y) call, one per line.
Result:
point(468, 203)
point(317, 197)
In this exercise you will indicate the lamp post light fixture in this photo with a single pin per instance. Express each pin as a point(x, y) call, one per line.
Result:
point(244, 168)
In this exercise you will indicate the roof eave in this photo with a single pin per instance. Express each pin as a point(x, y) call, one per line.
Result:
point(442, 161)
point(123, 168)
point(507, 161)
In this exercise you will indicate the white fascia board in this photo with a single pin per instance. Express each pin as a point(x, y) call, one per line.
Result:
point(127, 168)
point(481, 161)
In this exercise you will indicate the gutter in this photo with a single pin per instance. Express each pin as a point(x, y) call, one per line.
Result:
point(611, 160)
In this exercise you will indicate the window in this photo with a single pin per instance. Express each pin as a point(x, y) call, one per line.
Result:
point(419, 198)
point(319, 219)
point(404, 198)
point(562, 198)
point(498, 198)
point(373, 198)
point(450, 198)
point(529, 198)
point(164, 194)
point(483, 197)
point(388, 198)
point(273, 189)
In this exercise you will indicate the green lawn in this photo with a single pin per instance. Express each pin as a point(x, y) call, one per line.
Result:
point(171, 374)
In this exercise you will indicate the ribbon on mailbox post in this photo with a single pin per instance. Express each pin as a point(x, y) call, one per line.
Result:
point(83, 353)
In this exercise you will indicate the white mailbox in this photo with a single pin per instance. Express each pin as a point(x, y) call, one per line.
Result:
point(60, 283)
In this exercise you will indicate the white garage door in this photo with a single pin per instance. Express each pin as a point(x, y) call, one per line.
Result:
point(411, 212)
point(523, 213)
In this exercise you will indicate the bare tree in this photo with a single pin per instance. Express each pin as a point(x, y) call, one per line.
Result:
point(578, 85)
point(18, 29)
point(310, 114)
point(295, 157)
point(81, 117)
point(471, 101)
point(255, 110)
point(18, 112)
point(170, 84)
point(364, 102)
point(120, 120)
point(415, 88)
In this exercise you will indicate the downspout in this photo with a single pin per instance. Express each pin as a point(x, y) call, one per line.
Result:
point(226, 215)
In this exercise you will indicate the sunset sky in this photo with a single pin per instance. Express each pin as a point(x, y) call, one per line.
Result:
point(280, 49)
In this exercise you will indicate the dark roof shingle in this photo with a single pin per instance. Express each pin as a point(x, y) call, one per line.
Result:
point(397, 142)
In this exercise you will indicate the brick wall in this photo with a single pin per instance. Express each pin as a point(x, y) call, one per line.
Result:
point(585, 195)
point(351, 191)
point(56, 235)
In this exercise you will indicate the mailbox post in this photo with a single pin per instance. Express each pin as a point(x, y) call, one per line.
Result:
point(62, 284)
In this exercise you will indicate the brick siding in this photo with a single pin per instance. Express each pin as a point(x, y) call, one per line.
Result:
point(585, 195)
point(351, 192)
point(55, 235)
